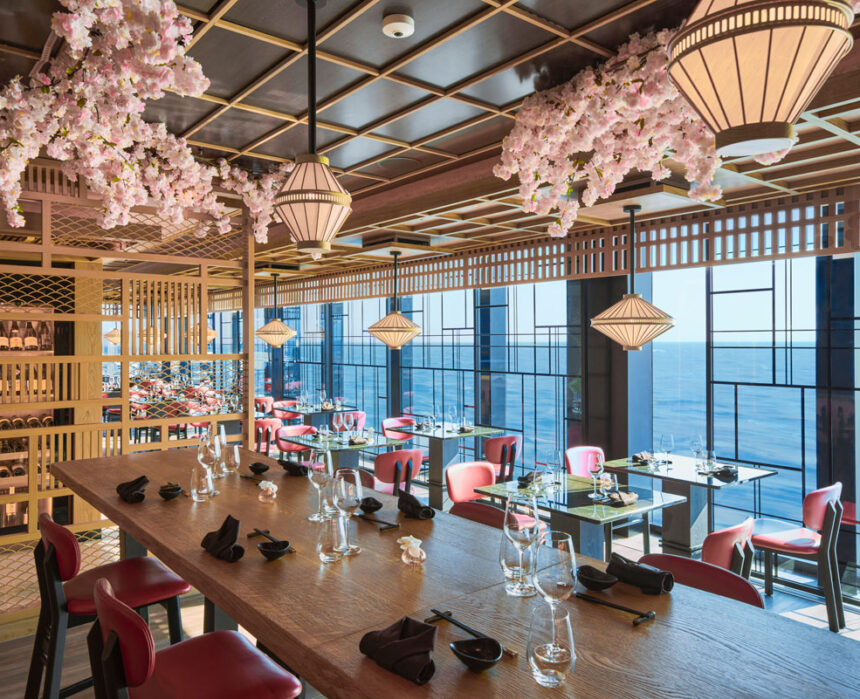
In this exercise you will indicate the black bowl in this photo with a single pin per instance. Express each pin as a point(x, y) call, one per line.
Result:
point(272, 551)
point(370, 505)
point(477, 654)
point(258, 467)
point(168, 492)
point(594, 578)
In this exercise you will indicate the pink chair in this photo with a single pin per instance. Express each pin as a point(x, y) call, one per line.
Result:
point(480, 512)
point(279, 410)
point(265, 430)
point(731, 548)
point(502, 453)
point(390, 468)
point(359, 418)
point(707, 577)
point(815, 541)
point(292, 431)
point(366, 478)
point(390, 425)
point(461, 480)
point(263, 404)
point(579, 459)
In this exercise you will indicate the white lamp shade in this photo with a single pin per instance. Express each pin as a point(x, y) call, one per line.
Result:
point(114, 336)
point(395, 330)
point(632, 322)
point(312, 204)
point(750, 67)
point(275, 333)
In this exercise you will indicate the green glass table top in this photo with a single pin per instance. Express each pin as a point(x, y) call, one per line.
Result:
point(683, 468)
point(447, 431)
point(332, 444)
point(317, 410)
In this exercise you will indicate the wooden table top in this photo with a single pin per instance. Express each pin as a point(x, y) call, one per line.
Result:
point(683, 468)
point(575, 502)
point(313, 615)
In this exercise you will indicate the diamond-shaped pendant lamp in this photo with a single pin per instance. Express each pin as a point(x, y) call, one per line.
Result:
point(210, 333)
point(395, 329)
point(312, 204)
point(632, 322)
point(276, 332)
point(113, 336)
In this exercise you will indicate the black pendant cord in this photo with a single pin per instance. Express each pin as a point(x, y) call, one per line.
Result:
point(312, 76)
point(395, 255)
point(275, 292)
point(631, 245)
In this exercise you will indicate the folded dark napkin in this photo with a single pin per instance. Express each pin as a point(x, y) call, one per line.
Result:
point(370, 504)
point(651, 580)
point(132, 491)
point(725, 473)
point(222, 542)
point(292, 468)
point(356, 441)
point(526, 481)
point(643, 457)
point(409, 505)
point(405, 647)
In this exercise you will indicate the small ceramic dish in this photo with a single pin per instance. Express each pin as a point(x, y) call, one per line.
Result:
point(594, 578)
point(272, 551)
point(477, 654)
point(170, 491)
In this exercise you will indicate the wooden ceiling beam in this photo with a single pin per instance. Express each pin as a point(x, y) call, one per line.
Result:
point(220, 10)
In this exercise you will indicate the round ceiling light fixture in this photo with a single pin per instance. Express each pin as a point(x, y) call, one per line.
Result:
point(398, 26)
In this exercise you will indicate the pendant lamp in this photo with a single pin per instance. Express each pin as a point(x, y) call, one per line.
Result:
point(312, 204)
point(276, 332)
point(114, 336)
point(632, 322)
point(750, 67)
point(210, 333)
point(395, 329)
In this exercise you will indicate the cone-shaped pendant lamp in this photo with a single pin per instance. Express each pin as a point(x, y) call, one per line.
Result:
point(750, 67)
point(114, 336)
point(276, 332)
point(395, 329)
point(312, 204)
point(632, 322)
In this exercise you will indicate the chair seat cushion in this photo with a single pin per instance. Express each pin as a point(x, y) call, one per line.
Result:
point(136, 581)
point(218, 665)
point(784, 537)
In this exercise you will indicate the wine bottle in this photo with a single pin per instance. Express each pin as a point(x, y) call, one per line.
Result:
point(19, 470)
point(18, 423)
point(16, 342)
point(5, 472)
point(31, 342)
point(4, 337)
point(33, 422)
point(46, 339)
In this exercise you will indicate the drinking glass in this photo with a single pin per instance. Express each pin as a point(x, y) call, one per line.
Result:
point(553, 577)
point(595, 468)
point(328, 541)
point(608, 484)
point(550, 647)
point(452, 418)
point(337, 423)
point(509, 561)
point(325, 432)
point(322, 396)
point(368, 432)
point(201, 483)
point(231, 458)
point(206, 459)
point(219, 469)
point(320, 478)
point(346, 496)
point(667, 444)
point(349, 423)
point(521, 528)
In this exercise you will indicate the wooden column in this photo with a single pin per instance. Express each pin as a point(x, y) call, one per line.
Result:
point(248, 335)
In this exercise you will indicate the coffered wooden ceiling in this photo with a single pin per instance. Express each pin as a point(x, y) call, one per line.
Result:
point(396, 113)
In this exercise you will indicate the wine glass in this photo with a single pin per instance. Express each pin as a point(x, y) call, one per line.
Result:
point(553, 575)
point(667, 444)
point(509, 561)
point(206, 459)
point(550, 649)
point(320, 478)
point(595, 468)
point(347, 496)
point(349, 422)
point(337, 423)
point(322, 396)
point(521, 527)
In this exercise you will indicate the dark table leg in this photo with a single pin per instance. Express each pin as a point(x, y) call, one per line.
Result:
point(215, 619)
point(344, 459)
point(685, 525)
point(443, 452)
point(129, 547)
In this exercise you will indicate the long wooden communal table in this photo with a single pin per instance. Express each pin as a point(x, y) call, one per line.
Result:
point(313, 615)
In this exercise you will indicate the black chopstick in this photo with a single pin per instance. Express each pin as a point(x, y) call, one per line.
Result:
point(386, 525)
point(640, 616)
point(468, 629)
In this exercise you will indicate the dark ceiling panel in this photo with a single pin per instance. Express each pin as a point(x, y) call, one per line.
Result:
point(177, 112)
point(483, 134)
point(489, 43)
point(285, 18)
point(542, 72)
point(12, 65)
point(398, 165)
point(364, 41)
point(357, 151)
point(288, 90)
point(571, 14)
point(372, 103)
point(428, 120)
point(199, 5)
point(660, 15)
point(295, 141)
point(236, 128)
point(353, 182)
point(231, 61)
point(255, 165)
point(27, 24)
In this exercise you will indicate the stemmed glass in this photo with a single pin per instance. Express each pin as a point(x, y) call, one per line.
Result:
point(521, 527)
point(697, 447)
point(452, 419)
point(320, 478)
point(347, 497)
point(553, 575)
point(595, 468)
point(337, 424)
point(550, 648)
point(667, 444)
point(322, 397)
point(206, 458)
point(349, 423)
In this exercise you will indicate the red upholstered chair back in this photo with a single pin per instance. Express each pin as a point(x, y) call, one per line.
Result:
point(815, 505)
point(502, 452)
point(480, 512)
point(135, 639)
point(359, 419)
point(279, 410)
point(462, 479)
point(719, 547)
point(579, 459)
point(705, 576)
point(263, 404)
point(385, 465)
point(66, 548)
point(265, 429)
point(849, 514)
point(390, 424)
point(293, 431)
point(366, 478)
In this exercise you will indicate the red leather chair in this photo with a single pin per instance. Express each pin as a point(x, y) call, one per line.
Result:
point(480, 512)
point(366, 477)
point(731, 548)
point(263, 404)
point(815, 541)
point(265, 431)
point(579, 459)
point(705, 576)
point(279, 410)
point(217, 665)
point(390, 425)
point(502, 453)
point(292, 431)
point(394, 468)
point(461, 480)
point(67, 600)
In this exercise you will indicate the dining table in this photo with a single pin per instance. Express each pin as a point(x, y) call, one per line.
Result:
point(588, 521)
point(343, 453)
point(443, 440)
point(317, 416)
point(685, 528)
point(312, 615)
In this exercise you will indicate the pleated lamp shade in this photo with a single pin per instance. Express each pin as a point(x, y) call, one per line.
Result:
point(114, 336)
point(395, 330)
point(750, 67)
point(210, 333)
point(312, 204)
point(632, 322)
point(275, 333)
